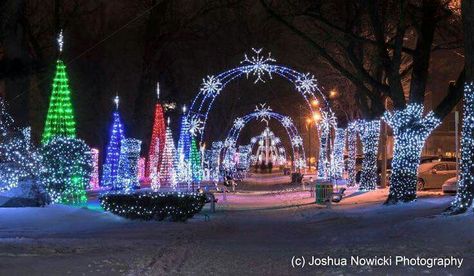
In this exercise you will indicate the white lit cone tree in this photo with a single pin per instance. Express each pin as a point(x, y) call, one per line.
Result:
point(168, 162)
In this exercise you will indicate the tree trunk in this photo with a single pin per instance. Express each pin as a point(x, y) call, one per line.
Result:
point(369, 135)
point(464, 196)
point(352, 153)
point(323, 148)
point(337, 160)
point(410, 130)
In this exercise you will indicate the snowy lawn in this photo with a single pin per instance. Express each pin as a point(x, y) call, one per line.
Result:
point(251, 233)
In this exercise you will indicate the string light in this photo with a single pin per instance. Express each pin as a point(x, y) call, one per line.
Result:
point(369, 135)
point(157, 138)
point(337, 160)
point(264, 112)
point(351, 153)
point(60, 116)
point(18, 159)
point(112, 158)
point(183, 150)
point(195, 158)
point(328, 121)
point(153, 205)
point(464, 195)
point(410, 130)
point(94, 181)
point(154, 172)
point(168, 164)
point(128, 165)
point(66, 169)
point(259, 66)
point(141, 168)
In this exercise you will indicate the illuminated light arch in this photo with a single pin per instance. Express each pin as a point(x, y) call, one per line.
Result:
point(264, 113)
point(258, 66)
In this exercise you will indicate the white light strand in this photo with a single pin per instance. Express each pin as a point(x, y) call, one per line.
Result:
point(351, 153)
point(464, 195)
point(369, 135)
point(337, 160)
point(410, 130)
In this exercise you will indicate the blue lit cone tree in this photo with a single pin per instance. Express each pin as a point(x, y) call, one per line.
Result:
point(184, 148)
point(112, 158)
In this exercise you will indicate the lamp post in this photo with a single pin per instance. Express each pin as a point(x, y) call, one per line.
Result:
point(314, 119)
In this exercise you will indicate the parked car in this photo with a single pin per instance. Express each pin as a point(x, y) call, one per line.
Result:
point(450, 186)
point(433, 175)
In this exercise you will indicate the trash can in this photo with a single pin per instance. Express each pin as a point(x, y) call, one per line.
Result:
point(323, 192)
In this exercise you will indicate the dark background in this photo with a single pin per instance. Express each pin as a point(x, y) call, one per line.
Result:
point(125, 47)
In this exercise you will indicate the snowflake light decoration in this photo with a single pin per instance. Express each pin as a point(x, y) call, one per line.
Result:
point(286, 121)
point(239, 123)
point(263, 112)
point(297, 141)
point(258, 65)
point(229, 142)
point(253, 140)
point(300, 163)
point(217, 145)
point(196, 125)
point(306, 83)
point(211, 86)
point(328, 119)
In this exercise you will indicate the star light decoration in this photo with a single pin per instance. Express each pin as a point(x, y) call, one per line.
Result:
point(196, 125)
point(306, 83)
point(211, 86)
point(258, 65)
point(239, 123)
point(60, 41)
point(263, 112)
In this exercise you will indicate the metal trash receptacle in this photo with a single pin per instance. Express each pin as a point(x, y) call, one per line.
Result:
point(323, 192)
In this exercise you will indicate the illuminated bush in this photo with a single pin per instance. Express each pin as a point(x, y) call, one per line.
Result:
point(153, 205)
point(66, 169)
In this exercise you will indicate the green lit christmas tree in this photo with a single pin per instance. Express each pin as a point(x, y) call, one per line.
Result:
point(60, 117)
point(195, 156)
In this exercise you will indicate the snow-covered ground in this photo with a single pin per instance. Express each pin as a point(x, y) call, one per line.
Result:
point(254, 233)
